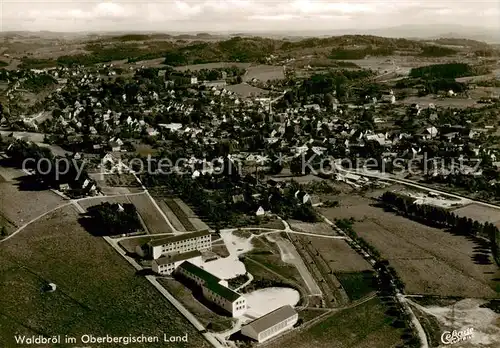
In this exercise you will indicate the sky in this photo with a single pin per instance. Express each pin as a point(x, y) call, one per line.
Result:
point(241, 15)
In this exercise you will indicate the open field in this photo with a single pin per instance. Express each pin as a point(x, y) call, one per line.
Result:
point(365, 326)
point(264, 73)
point(19, 206)
point(97, 291)
point(318, 265)
point(428, 260)
point(316, 228)
point(340, 257)
point(245, 90)
point(479, 213)
point(152, 218)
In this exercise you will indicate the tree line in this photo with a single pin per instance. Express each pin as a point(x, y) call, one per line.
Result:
point(443, 218)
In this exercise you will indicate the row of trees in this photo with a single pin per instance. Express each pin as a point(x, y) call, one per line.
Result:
point(440, 217)
point(445, 71)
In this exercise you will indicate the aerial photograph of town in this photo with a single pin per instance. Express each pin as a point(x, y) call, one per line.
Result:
point(250, 173)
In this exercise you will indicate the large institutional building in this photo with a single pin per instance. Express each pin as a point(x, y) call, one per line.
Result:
point(271, 324)
point(214, 289)
point(183, 243)
point(166, 265)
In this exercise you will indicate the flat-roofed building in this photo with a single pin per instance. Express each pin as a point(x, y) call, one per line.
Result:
point(182, 243)
point(213, 289)
point(167, 264)
point(271, 324)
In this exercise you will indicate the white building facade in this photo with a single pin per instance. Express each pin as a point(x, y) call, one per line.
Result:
point(271, 324)
point(167, 264)
point(214, 289)
point(184, 243)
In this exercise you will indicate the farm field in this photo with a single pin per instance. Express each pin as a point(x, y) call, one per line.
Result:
point(479, 213)
point(316, 228)
point(150, 214)
point(318, 265)
point(195, 221)
point(340, 257)
point(365, 326)
point(171, 216)
point(264, 73)
point(181, 215)
point(97, 291)
point(428, 260)
point(19, 206)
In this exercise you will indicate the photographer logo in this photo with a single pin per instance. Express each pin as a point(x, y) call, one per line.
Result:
point(456, 336)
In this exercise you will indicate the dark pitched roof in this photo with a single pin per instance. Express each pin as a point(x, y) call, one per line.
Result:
point(211, 281)
point(164, 260)
point(199, 272)
point(273, 318)
point(178, 238)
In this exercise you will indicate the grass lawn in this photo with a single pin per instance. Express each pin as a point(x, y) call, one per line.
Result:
point(98, 292)
point(364, 326)
point(274, 263)
point(214, 321)
point(357, 284)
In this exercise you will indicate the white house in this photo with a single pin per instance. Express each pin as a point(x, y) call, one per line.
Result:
point(260, 211)
point(213, 289)
point(271, 324)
